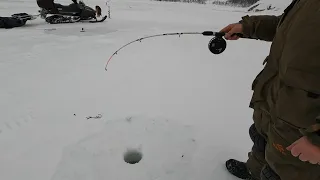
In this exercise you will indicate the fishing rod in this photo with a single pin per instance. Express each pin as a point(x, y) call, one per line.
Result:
point(216, 45)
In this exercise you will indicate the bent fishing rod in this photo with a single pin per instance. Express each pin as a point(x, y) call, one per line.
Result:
point(216, 45)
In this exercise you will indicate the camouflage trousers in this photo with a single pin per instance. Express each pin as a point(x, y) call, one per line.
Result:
point(269, 159)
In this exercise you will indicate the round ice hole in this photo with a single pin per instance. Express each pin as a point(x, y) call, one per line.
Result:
point(132, 156)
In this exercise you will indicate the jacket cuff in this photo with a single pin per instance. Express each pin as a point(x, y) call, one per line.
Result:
point(312, 133)
point(247, 27)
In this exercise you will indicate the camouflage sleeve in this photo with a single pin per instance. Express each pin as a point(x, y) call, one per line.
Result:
point(260, 27)
point(312, 133)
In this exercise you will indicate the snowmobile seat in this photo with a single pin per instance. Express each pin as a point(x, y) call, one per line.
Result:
point(70, 10)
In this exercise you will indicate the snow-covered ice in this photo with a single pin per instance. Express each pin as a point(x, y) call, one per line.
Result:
point(183, 100)
point(270, 5)
point(166, 152)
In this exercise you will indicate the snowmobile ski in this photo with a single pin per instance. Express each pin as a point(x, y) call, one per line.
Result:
point(99, 21)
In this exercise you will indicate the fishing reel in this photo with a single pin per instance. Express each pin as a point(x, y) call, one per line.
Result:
point(218, 44)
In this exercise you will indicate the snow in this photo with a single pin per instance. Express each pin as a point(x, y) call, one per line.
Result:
point(270, 5)
point(183, 100)
point(166, 153)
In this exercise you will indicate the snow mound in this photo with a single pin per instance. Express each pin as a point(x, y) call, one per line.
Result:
point(139, 148)
point(269, 5)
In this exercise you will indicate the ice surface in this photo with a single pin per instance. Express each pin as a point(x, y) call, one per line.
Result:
point(167, 149)
point(52, 77)
point(270, 5)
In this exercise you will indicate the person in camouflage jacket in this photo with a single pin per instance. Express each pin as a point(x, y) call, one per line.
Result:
point(286, 95)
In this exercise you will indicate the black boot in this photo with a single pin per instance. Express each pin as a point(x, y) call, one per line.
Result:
point(238, 169)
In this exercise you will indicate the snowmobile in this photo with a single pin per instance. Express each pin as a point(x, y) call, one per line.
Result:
point(55, 13)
